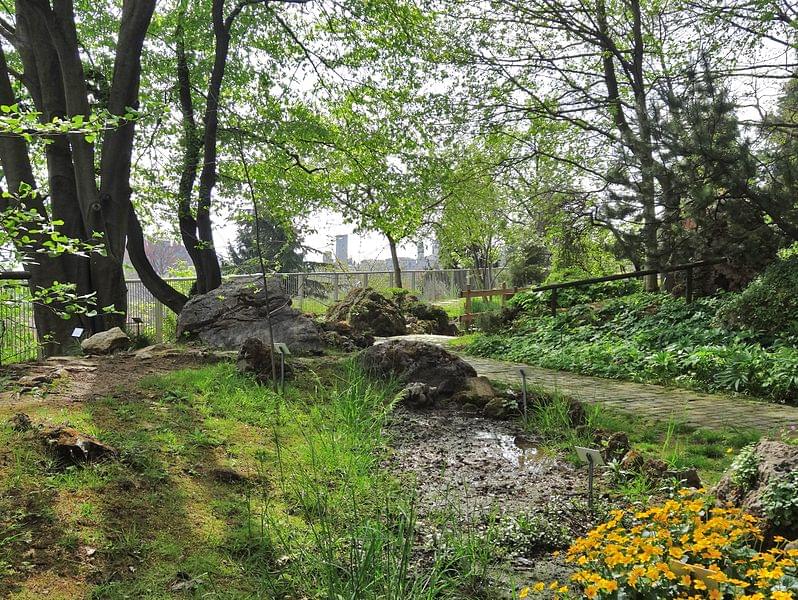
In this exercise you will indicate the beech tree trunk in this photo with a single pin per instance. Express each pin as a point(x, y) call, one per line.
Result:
point(154, 283)
point(47, 43)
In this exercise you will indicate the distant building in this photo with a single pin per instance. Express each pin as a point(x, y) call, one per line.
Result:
point(328, 258)
point(163, 254)
point(342, 248)
point(420, 251)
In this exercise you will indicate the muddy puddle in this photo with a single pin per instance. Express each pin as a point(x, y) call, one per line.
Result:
point(517, 451)
point(468, 460)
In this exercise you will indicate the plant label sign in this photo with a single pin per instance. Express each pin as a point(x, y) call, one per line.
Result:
point(589, 456)
point(281, 348)
point(77, 332)
point(592, 458)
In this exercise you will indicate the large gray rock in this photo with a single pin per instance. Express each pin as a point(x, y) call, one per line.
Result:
point(409, 361)
point(763, 481)
point(368, 312)
point(477, 391)
point(235, 311)
point(106, 342)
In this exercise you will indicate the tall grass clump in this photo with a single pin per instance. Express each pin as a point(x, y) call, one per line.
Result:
point(333, 523)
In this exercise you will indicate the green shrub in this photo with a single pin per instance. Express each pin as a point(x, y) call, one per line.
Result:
point(769, 305)
point(651, 338)
point(780, 500)
point(540, 302)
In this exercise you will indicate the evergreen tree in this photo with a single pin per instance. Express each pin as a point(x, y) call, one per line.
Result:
point(709, 210)
point(282, 248)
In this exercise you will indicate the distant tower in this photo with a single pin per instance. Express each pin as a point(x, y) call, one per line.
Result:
point(342, 248)
point(420, 251)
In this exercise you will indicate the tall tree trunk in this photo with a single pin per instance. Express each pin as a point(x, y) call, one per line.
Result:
point(650, 227)
point(53, 331)
point(207, 180)
point(397, 269)
point(639, 144)
point(154, 283)
point(192, 147)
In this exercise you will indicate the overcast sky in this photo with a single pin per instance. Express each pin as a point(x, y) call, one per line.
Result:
point(327, 225)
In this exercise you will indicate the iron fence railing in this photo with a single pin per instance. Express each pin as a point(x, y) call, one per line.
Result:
point(310, 292)
point(17, 329)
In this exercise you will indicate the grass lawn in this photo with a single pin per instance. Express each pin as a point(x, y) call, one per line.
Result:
point(223, 489)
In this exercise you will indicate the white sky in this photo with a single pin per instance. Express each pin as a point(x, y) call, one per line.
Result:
point(327, 224)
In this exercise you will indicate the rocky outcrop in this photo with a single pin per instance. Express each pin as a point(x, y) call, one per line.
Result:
point(255, 358)
point(421, 317)
point(417, 395)
point(368, 312)
point(227, 316)
point(409, 361)
point(339, 334)
point(763, 481)
point(500, 407)
point(106, 342)
point(475, 390)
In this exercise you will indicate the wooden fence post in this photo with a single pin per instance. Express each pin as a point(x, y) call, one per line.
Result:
point(335, 287)
point(554, 302)
point(301, 291)
point(688, 292)
point(504, 294)
point(467, 314)
point(365, 280)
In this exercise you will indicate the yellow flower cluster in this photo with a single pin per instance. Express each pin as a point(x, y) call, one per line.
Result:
point(684, 548)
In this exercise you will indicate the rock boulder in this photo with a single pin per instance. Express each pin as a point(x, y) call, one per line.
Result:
point(417, 395)
point(227, 316)
point(422, 317)
point(368, 312)
point(477, 391)
point(766, 486)
point(71, 446)
point(339, 334)
point(409, 361)
point(106, 342)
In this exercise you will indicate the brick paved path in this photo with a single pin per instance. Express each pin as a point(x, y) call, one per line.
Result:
point(711, 411)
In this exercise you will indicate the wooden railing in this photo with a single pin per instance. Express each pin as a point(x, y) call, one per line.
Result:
point(506, 292)
point(15, 275)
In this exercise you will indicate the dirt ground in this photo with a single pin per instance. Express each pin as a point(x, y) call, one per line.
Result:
point(67, 379)
point(475, 472)
point(488, 465)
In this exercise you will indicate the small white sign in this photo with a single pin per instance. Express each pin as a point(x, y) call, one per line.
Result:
point(77, 332)
point(595, 456)
point(281, 348)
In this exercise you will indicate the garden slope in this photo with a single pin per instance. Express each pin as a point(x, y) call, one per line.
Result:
point(650, 338)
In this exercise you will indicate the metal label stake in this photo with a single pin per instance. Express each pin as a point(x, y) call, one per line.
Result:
point(283, 351)
point(593, 459)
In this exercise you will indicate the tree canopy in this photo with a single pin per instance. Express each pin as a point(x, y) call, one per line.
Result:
point(606, 134)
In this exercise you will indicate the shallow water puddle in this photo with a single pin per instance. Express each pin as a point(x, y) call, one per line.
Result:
point(515, 449)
